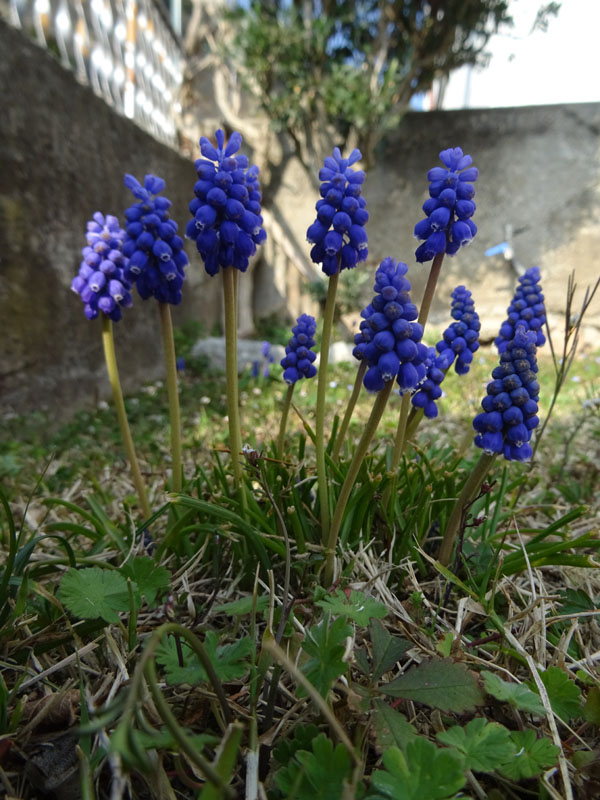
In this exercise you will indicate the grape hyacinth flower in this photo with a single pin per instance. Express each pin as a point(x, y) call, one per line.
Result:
point(394, 349)
point(155, 251)
point(298, 360)
point(297, 364)
point(511, 404)
point(101, 282)
point(429, 390)
point(338, 235)
point(157, 262)
point(461, 339)
point(227, 224)
point(448, 225)
point(105, 289)
point(527, 309)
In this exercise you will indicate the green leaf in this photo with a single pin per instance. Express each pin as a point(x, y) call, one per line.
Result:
point(285, 749)
point(94, 592)
point(517, 694)
point(424, 772)
point(316, 775)
point(387, 649)
point(576, 601)
point(442, 684)
point(326, 644)
point(229, 660)
point(151, 580)
point(392, 729)
point(485, 746)
point(532, 757)
point(591, 709)
point(564, 694)
point(357, 606)
point(243, 606)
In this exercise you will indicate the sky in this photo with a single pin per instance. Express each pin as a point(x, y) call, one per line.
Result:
point(561, 65)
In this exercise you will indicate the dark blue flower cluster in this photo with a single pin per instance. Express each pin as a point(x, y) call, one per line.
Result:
point(461, 338)
point(364, 335)
point(298, 360)
point(511, 404)
point(391, 339)
point(101, 281)
point(338, 233)
point(227, 224)
point(448, 225)
point(430, 390)
point(527, 308)
point(155, 251)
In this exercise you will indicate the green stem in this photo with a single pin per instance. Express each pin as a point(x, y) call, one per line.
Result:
point(355, 465)
point(413, 422)
point(320, 412)
point(166, 324)
point(467, 494)
point(233, 411)
point(362, 368)
point(398, 447)
point(434, 274)
point(287, 401)
point(113, 376)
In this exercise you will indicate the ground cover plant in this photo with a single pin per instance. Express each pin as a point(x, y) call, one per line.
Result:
point(348, 582)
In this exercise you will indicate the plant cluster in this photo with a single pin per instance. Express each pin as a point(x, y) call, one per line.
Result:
point(256, 642)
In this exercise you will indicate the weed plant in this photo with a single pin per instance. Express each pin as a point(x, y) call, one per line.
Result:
point(276, 605)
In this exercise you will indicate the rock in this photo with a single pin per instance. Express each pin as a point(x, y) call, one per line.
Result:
point(249, 351)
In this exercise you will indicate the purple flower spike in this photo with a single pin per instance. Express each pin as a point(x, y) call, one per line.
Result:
point(298, 360)
point(448, 225)
point(429, 390)
point(527, 308)
point(101, 281)
point(390, 338)
point(227, 224)
point(338, 236)
point(511, 404)
point(461, 338)
point(155, 251)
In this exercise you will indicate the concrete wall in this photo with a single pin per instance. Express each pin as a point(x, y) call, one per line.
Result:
point(63, 154)
point(539, 171)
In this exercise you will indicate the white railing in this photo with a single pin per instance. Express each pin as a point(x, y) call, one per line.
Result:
point(124, 49)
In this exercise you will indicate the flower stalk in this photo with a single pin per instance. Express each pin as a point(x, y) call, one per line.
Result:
point(287, 401)
point(231, 371)
point(353, 470)
point(113, 376)
point(173, 393)
point(360, 374)
point(320, 411)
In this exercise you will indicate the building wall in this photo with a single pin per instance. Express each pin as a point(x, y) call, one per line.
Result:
point(63, 154)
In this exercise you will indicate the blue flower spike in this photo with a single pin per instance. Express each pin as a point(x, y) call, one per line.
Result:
point(511, 404)
point(338, 234)
point(101, 281)
point(298, 360)
point(429, 390)
point(391, 337)
point(448, 225)
point(227, 224)
point(461, 339)
point(157, 259)
point(527, 308)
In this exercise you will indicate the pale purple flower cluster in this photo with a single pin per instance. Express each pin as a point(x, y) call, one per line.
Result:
point(101, 281)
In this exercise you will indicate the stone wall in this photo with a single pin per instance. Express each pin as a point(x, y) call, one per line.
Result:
point(63, 154)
